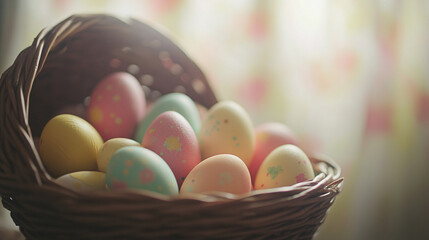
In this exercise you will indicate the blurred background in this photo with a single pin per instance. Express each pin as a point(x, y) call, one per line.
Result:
point(351, 78)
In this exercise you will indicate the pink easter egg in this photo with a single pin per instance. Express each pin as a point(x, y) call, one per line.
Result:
point(117, 105)
point(171, 136)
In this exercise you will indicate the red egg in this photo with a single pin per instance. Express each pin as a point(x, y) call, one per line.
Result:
point(268, 137)
point(117, 105)
point(171, 136)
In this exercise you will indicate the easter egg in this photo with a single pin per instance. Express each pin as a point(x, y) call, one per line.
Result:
point(219, 173)
point(69, 144)
point(83, 181)
point(109, 148)
point(139, 168)
point(116, 106)
point(172, 138)
point(177, 102)
point(284, 166)
point(227, 130)
point(269, 136)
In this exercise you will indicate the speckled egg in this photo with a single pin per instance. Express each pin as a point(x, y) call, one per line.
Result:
point(83, 181)
point(269, 136)
point(172, 138)
point(109, 148)
point(69, 144)
point(219, 173)
point(116, 106)
point(139, 168)
point(177, 102)
point(227, 130)
point(285, 166)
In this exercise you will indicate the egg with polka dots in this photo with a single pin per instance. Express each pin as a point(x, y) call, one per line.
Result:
point(227, 129)
point(116, 106)
point(135, 167)
point(173, 139)
point(286, 165)
point(220, 173)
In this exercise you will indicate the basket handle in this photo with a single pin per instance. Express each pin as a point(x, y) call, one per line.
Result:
point(36, 67)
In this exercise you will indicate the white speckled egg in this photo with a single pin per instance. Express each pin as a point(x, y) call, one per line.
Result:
point(227, 130)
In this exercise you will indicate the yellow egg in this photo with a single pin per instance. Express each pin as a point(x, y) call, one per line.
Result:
point(227, 129)
point(109, 148)
point(284, 166)
point(83, 181)
point(69, 144)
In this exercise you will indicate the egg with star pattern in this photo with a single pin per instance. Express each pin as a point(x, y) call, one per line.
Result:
point(177, 102)
point(116, 106)
point(171, 137)
point(269, 136)
point(286, 165)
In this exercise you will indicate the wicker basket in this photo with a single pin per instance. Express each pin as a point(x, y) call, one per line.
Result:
point(60, 69)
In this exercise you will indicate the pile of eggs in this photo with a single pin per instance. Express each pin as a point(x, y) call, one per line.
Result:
point(171, 147)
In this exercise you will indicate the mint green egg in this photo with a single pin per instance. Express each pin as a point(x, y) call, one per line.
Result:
point(178, 102)
point(134, 167)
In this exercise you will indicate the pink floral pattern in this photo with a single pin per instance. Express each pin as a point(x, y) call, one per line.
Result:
point(147, 176)
point(300, 178)
point(119, 184)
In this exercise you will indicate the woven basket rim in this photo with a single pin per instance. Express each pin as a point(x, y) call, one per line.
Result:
point(328, 178)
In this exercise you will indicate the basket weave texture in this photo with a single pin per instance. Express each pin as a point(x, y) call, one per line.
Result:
point(60, 69)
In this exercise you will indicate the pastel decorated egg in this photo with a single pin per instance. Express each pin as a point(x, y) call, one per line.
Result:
point(285, 166)
point(69, 144)
point(109, 148)
point(219, 173)
point(227, 130)
point(83, 181)
point(117, 105)
point(139, 168)
point(269, 136)
point(172, 138)
point(177, 102)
